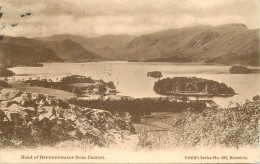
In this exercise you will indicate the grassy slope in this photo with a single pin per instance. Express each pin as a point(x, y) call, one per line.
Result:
point(52, 92)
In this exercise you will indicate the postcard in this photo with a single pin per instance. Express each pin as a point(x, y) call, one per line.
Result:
point(129, 81)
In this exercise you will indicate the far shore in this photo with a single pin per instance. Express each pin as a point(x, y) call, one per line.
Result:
point(143, 62)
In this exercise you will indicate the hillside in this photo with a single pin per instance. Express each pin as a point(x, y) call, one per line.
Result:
point(26, 51)
point(71, 51)
point(224, 44)
point(107, 46)
point(229, 44)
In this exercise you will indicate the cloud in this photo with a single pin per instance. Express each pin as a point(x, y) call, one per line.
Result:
point(134, 17)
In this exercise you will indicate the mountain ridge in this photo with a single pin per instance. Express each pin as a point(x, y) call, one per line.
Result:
point(199, 43)
point(228, 44)
point(107, 46)
point(27, 51)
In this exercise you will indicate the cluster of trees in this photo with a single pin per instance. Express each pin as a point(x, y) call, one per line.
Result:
point(67, 82)
point(76, 79)
point(5, 72)
point(4, 84)
point(83, 79)
point(55, 85)
point(230, 127)
point(191, 85)
point(139, 107)
point(155, 74)
point(240, 70)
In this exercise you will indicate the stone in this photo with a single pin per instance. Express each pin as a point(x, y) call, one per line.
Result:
point(13, 108)
point(19, 100)
point(6, 104)
point(8, 94)
point(38, 119)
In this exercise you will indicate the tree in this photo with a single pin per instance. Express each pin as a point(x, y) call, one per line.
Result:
point(76, 91)
point(101, 89)
point(135, 117)
point(111, 85)
point(5, 72)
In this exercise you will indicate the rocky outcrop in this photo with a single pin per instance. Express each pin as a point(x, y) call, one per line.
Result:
point(31, 119)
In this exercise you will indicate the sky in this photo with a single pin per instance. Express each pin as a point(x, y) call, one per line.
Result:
point(120, 17)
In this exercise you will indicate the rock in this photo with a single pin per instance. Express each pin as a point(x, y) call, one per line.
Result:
point(6, 104)
point(14, 108)
point(26, 95)
point(8, 94)
point(43, 102)
point(46, 112)
point(2, 115)
point(18, 100)
point(36, 119)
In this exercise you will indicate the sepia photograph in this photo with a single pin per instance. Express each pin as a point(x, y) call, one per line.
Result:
point(129, 81)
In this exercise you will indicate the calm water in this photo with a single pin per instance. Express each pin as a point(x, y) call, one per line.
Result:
point(131, 78)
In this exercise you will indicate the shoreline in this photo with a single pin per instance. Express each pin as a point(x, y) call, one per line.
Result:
point(139, 62)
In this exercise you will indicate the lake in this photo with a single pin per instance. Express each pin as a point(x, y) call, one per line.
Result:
point(131, 77)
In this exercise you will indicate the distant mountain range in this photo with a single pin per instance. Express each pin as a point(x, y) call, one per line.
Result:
point(26, 51)
point(229, 44)
point(226, 44)
point(108, 46)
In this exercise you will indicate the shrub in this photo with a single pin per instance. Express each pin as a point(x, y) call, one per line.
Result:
point(213, 127)
point(4, 84)
point(111, 85)
point(76, 91)
point(6, 73)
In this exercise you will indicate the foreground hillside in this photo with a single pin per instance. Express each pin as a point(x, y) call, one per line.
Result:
point(215, 127)
point(32, 119)
point(224, 44)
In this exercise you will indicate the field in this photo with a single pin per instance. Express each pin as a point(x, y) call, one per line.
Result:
point(158, 122)
point(81, 84)
point(52, 92)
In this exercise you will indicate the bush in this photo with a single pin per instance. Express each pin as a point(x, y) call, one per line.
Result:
point(76, 91)
point(111, 85)
point(6, 73)
point(213, 127)
point(4, 84)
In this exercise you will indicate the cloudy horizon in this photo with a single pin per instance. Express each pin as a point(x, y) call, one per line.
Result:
point(120, 17)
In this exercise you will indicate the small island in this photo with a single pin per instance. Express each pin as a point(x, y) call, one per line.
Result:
point(35, 65)
point(240, 70)
point(191, 86)
point(155, 74)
